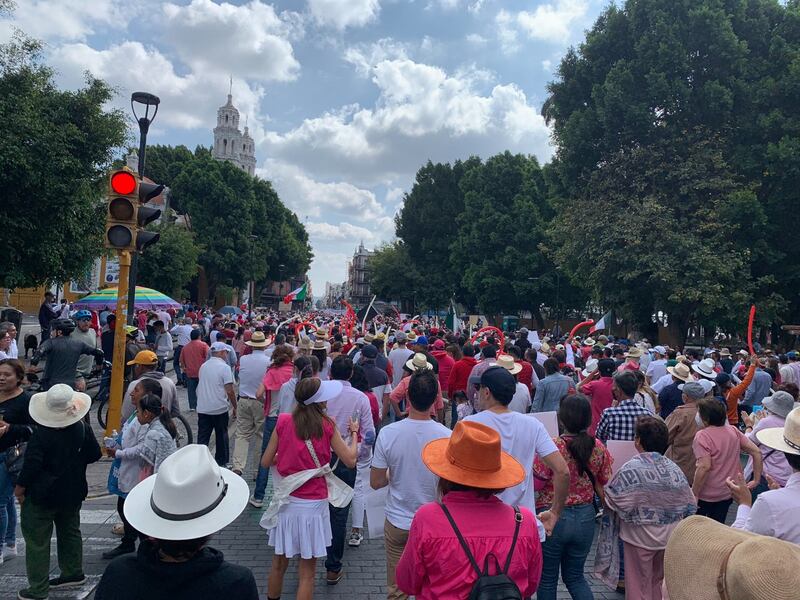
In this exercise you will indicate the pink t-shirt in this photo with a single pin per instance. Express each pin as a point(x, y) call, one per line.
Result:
point(722, 445)
point(599, 392)
point(400, 393)
point(293, 456)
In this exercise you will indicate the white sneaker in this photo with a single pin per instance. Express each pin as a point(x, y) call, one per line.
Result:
point(9, 552)
point(256, 502)
point(355, 538)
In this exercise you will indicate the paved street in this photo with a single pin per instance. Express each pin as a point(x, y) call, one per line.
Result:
point(243, 542)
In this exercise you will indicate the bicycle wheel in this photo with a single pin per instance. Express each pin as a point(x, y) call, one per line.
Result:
point(102, 413)
point(185, 435)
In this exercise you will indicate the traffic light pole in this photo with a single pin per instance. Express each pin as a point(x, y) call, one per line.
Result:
point(118, 362)
point(144, 126)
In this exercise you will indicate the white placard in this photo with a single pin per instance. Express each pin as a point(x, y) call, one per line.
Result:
point(550, 421)
point(621, 451)
point(375, 502)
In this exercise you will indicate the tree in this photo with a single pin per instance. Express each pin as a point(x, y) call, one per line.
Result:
point(393, 276)
point(171, 263)
point(499, 233)
point(53, 158)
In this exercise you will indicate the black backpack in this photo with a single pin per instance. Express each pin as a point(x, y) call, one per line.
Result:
point(490, 587)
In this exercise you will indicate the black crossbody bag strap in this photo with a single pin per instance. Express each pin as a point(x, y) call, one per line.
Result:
point(518, 519)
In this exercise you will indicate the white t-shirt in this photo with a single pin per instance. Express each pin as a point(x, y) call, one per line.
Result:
point(398, 357)
point(183, 332)
point(286, 400)
point(661, 383)
point(411, 484)
point(523, 438)
point(656, 369)
point(252, 368)
point(211, 396)
point(521, 401)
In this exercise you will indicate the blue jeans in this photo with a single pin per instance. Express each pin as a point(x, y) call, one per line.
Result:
point(263, 474)
point(567, 549)
point(176, 364)
point(339, 519)
point(453, 413)
point(191, 389)
point(8, 509)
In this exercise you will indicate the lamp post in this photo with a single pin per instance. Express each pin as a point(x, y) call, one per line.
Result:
point(252, 284)
point(147, 100)
point(281, 267)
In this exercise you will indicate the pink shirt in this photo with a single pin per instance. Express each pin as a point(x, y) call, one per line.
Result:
point(293, 456)
point(599, 392)
point(434, 565)
point(722, 445)
point(400, 393)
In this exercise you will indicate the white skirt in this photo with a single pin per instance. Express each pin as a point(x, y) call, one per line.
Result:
point(304, 529)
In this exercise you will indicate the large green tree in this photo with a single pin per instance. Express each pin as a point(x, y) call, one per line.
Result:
point(171, 263)
point(393, 276)
point(56, 146)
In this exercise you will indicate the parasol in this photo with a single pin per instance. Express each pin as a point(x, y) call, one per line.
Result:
point(146, 299)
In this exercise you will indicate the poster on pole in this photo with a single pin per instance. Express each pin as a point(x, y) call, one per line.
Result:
point(112, 271)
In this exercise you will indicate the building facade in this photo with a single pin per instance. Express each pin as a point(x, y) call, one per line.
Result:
point(334, 293)
point(357, 288)
point(230, 144)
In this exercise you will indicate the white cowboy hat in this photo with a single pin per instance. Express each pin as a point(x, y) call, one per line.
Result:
point(419, 362)
point(59, 407)
point(591, 367)
point(507, 362)
point(705, 368)
point(786, 438)
point(589, 341)
point(190, 497)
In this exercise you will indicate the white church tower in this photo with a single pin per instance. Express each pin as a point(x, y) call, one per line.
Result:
point(229, 142)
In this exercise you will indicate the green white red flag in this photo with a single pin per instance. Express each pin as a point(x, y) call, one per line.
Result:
point(298, 294)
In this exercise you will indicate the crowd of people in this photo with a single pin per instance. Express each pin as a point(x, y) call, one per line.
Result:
point(480, 496)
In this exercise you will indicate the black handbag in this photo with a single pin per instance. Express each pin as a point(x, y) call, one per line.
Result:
point(15, 458)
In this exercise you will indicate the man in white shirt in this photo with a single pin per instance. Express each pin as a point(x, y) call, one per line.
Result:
point(523, 437)
point(399, 356)
point(658, 366)
point(214, 398)
point(163, 345)
point(250, 411)
point(11, 329)
point(398, 463)
point(183, 332)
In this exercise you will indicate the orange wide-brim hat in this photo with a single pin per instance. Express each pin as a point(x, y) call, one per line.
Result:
point(473, 456)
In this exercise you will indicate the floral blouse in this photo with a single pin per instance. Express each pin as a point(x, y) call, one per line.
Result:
point(580, 487)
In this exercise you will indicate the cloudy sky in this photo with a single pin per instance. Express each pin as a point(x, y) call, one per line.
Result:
point(346, 99)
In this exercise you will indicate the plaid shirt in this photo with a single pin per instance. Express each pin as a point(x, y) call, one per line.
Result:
point(619, 422)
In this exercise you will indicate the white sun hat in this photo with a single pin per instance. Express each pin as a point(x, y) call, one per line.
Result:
point(59, 407)
point(705, 368)
point(190, 497)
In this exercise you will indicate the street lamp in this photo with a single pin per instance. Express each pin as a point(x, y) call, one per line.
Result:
point(147, 100)
point(252, 284)
point(281, 267)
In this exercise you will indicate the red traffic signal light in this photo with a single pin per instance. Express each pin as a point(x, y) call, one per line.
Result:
point(123, 183)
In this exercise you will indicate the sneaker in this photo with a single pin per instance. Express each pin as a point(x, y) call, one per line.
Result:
point(118, 529)
point(355, 538)
point(9, 552)
point(119, 551)
point(26, 595)
point(62, 582)
point(255, 502)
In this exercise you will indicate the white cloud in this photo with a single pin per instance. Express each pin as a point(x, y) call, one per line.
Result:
point(187, 101)
point(421, 112)
point(308, 197)
point(506, 32)
point(476, 6)
point(341, 14)
point(248, 40)
point(553, 22)
point(328, 266)
point(365, 56)
point(477, 39)
point(60, 20)
point(339, 232)
point(547, 65)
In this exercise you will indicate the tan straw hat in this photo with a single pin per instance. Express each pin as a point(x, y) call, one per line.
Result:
point(419, 362)
point(634, 352)
point(258, 340)
point(507, 362)
point(786, 438)
point(706, 560)
point(473, 456)
point(681, 371)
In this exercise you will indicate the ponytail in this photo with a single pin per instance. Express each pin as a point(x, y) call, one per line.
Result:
point(575, 414)
point(152, 404)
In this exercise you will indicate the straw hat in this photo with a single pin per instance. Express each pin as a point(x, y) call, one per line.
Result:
point(321, 333)
point(305, 343)
point(705, 368)
point(190, 497)
point(507, 362)
point(59, 407)
point(681, 371)
point(419, 362)
point(319, 344)
point(724, 352)
point(411, 337)
point(589, 341)
point(706, 560)
point(258, 340)
point(368, 337)
point(591, 367)
point(635, 352)
point(473, 456)
point(545, 349)
point(783, 439)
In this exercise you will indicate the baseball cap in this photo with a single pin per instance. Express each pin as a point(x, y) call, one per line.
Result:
point(660, 350)
point(501, 383)
point(693, 389)
point(438, 345)
point(144, 357)
point(422, 340)
point(369, 351)
point(400, 336)
point(219, 347)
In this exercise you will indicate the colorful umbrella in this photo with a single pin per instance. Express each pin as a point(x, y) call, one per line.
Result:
point(146, 299)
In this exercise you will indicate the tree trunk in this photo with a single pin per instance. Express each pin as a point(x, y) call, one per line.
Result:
point(537, 314)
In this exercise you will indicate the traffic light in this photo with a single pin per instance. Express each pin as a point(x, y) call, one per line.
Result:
point(126, 214)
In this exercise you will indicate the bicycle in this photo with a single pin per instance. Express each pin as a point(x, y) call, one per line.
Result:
point(185, 435)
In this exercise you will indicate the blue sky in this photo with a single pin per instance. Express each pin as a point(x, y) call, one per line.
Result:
point(346, 99)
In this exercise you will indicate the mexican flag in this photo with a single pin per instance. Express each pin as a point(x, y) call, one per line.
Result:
point(603, 323)
point(453, 322)
point(298, 294)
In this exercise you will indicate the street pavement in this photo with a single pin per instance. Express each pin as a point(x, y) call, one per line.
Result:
point(243, 542)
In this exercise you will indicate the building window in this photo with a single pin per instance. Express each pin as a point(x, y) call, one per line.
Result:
point(226, 118)
point(224, 146)
point(233, 146)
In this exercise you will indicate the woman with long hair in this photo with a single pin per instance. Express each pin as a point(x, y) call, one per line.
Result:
point(159, 441)
point(589, 470)
point(302, 443)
